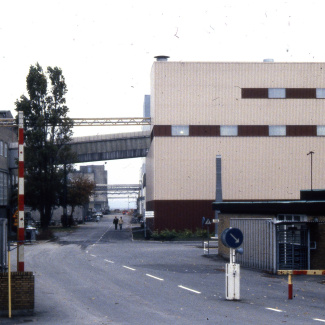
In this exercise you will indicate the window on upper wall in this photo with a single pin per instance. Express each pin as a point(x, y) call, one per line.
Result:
point(320, 130)
point(228, 130)
point(320, 92)
point(277, 93)
point(180, 130)
point(1, 148)
point(277, 130)
point(5, 149)
point(291, 217)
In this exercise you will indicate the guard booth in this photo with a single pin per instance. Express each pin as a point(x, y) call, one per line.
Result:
point(3, 245)
point(279, 235)
point(279, 243)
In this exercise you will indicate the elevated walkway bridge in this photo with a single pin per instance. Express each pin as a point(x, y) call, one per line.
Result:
point(111, 146)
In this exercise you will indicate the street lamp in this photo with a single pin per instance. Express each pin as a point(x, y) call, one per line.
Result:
point(311, 168)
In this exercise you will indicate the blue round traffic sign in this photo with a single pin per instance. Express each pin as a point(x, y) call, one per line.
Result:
point(232, 237)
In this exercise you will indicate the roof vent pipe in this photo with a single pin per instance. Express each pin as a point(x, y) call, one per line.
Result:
point(162, 57)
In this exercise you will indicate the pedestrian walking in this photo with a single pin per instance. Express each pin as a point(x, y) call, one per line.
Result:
point(120, 222)
point(115, 221)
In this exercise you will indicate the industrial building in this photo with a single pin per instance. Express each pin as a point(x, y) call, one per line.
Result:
point(262, 118)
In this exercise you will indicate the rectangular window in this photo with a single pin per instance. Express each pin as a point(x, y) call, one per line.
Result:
point(277, 93)
point(180, 130)
point(277, 130)
point(6, 150)
point(291, 217)
point(228, 130)
point(320, 92)
point(1, 148)
point(320, 130)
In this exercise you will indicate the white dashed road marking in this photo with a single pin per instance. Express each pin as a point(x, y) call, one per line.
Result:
point(274, 309)
point(108, 261)
point(185, 288)
point(154, 277)
point(319, 320)
point(129, 268)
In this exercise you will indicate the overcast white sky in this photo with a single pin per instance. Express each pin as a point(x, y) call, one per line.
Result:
point(106, 48)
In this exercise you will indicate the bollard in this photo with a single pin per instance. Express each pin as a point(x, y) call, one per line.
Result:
point(289, 286)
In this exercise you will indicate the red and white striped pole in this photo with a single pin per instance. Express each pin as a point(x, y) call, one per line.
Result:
point(21, 216)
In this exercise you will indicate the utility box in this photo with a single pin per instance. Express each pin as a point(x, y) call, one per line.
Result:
point(232, 281)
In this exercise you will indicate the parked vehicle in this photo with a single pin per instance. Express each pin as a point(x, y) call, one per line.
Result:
point(97, 214)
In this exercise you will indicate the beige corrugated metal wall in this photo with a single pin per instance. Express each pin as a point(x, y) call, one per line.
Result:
point(210, 93)
point(253, 168)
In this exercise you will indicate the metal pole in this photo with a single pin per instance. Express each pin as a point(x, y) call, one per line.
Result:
point(311, 168)
point(9, 283)
point(65, 194)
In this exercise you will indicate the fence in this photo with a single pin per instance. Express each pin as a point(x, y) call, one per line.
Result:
point(259, 243)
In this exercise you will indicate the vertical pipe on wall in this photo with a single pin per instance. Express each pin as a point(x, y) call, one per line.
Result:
point(218, 190)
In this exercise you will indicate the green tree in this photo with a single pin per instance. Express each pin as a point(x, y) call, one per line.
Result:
point(80, 190)
point(47, 131)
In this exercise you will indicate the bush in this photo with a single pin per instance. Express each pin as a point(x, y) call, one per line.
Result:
point(201, 233)
point(164, 234)
point(173, 234)
point(186, 234)
point(155, 235)
point(168, 234)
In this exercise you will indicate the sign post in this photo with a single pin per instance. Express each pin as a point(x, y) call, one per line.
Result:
point(232, 238)
point(208, 223)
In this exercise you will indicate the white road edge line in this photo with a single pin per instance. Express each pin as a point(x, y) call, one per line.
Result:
point(129, 268)
point(109, 261)
point(319, 320)
point(180, 286)
point(154, 277)
point(273, 309)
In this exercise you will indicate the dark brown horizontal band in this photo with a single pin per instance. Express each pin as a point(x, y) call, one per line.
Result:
point(243, 131)
point(290, 93)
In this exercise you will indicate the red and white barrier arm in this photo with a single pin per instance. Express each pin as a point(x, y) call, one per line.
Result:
point(290, 273)
point(21, 199)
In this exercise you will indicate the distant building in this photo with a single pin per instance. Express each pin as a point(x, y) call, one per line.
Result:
point(261, 118)
point(8, 167)
point(99, 200)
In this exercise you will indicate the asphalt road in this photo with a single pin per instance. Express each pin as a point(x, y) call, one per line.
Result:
point(98, 275)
